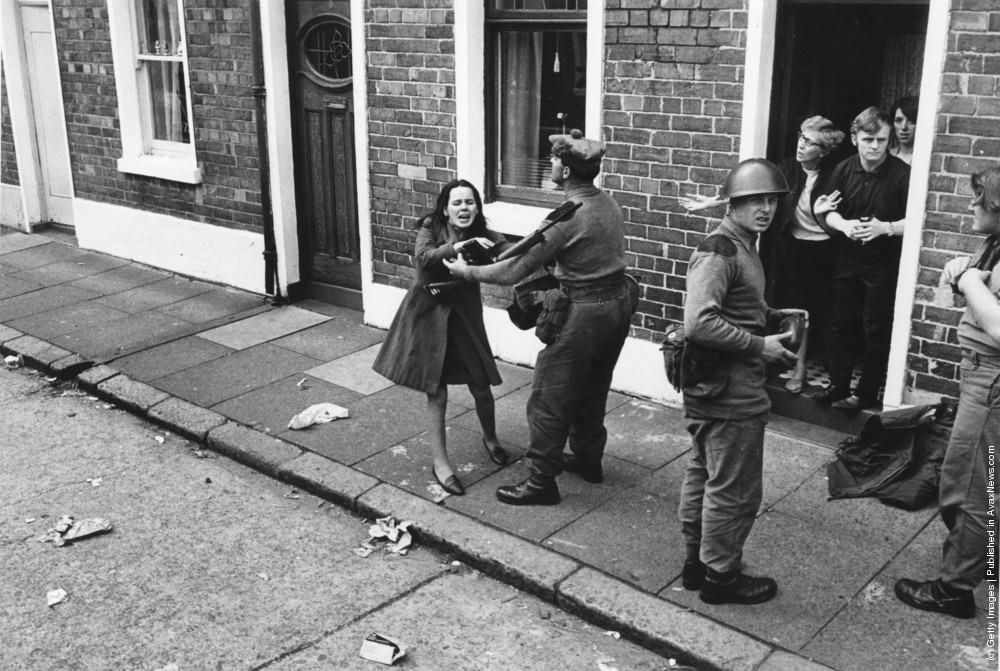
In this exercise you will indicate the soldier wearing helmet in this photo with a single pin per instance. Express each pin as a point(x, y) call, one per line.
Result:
point(725, 404)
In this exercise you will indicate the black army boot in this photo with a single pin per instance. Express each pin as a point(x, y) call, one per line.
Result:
point(530, 492)
point(591, 472)
point(736, 587)
point(938, 598)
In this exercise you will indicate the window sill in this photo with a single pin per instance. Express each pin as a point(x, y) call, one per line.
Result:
point(514, 219)
point(161, 167)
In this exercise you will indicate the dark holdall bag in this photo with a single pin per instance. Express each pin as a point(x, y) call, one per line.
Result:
point(895, 457)
point(691, 368)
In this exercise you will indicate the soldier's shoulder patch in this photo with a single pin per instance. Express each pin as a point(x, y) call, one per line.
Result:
point(718, 244)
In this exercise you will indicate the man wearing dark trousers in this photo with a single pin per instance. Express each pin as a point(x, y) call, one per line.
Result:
point(870, 220)
point(573, 373)
point(725, 403)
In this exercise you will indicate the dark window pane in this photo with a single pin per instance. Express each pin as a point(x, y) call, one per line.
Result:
point(537, 5)
point(159, 27)
point(327, 48)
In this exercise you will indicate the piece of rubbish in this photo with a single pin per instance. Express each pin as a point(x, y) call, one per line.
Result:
point(601, 666)
point(202, 454)
point(263, 576)
point(13, 361)
point(54, 596)
point(159, 439)
point(68, 530)
point(382, 649)
point(29, 520)
point(613, 634)
point(319, 413)
point(398, 533)
point(364, 550)
point(303, 383)
point(95, 482)
point(292, 494)
point(169, 667)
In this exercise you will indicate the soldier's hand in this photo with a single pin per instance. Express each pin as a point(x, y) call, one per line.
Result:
point(775, 352)
point(456, 266)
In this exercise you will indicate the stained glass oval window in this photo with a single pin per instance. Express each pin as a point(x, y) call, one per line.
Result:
point(327, 49)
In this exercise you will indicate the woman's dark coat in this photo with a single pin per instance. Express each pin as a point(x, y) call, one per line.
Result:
point(414, 350)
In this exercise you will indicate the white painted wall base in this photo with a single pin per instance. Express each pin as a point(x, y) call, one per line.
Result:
point(11, 210)
point(191, 248)
point(639, 371)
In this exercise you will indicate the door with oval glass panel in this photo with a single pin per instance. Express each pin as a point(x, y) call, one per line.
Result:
point(320, 53)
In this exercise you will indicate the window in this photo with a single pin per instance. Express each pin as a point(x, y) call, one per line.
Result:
point(536, 65)
point(154, 101)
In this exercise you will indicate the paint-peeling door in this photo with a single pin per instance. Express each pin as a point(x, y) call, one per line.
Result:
point(323, 127)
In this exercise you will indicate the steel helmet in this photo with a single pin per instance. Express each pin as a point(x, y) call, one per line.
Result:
point(753, 177)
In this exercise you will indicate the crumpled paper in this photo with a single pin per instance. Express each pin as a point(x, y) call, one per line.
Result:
point(318, 414)
point(68, 530)
point(395, 533)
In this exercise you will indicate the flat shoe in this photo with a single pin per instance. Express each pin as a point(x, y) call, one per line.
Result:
point(498, 455)
point(451, 484)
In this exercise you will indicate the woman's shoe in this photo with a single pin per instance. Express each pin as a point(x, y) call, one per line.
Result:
point(451, 484)
point(498, 455)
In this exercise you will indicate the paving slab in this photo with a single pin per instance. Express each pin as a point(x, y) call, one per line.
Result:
point(117, 280)
point(234, 374)
point(786, 463)
point(15, 241)
point(494, 552)
point(817, 576)
point(341, 334)
point(511, 419)
point(646, 433)
point(270, 407)
point(156, 294)
point(530, 522)
point(877, 631)
point(779, 660)
point(264, 327)
point(377, 423)
point(40, 255)
point(123, 336)
point(633, 536)
point(171, 357)
point(328, 479)
point(15, 286)
point(671, 630)
point(354, 371)
point(213, 304)
point(71, 268)
point(409, 465)
point(514, 378)
point(65, 319)
point(865, 518)
point(35, 302)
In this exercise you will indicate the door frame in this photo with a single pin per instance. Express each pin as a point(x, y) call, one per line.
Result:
point(32, 189)
point(761, 32)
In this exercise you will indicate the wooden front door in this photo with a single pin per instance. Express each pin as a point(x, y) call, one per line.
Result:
point(323, 127)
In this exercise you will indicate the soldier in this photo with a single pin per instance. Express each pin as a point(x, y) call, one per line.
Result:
point(573, 372)
point(725, 404)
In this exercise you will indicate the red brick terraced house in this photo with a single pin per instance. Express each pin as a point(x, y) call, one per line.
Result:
point(196, 135)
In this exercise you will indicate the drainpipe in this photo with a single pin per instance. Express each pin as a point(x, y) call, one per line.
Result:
point(271, 286)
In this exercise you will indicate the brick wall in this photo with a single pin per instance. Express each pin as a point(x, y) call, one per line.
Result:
point(220, 63)
point(411, 123)
point(8, 158)
point(672, 106)
point(967, 140)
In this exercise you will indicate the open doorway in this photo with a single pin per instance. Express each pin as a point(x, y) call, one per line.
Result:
point(834, 60)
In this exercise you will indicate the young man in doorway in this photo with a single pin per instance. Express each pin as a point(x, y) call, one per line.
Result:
point(871, 217)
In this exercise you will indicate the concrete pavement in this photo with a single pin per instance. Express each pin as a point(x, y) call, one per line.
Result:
point(223, 367)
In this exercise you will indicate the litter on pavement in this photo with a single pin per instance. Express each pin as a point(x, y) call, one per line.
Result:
point(319, 413)
point(394, 536)
point(13, 361)
point(54, 596)
point(68, 530)
point(382, 649)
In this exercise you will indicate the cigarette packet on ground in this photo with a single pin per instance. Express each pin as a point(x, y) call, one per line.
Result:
point(380, 648)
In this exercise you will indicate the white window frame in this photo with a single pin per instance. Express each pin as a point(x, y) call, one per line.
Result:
point(470, 104)
point(141, 153)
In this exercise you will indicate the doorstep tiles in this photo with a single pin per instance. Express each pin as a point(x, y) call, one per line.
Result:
point(263, 327)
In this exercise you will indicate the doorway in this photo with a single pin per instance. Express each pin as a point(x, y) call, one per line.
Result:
point(834, 60)
point(320, 80)
point(55, 188)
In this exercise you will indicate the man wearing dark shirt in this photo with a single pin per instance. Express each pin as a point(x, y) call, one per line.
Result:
point(871, 217)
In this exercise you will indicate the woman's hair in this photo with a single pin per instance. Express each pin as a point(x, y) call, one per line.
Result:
point(830, 136)
point(439, 219)
point(986, 189)
point(908, 106)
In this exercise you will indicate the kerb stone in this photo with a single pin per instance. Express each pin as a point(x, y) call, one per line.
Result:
point(90, 378)
point(659, 624)
point(186, 418)
point(788, 661)
point(255, 449)
point(36, 350)
point(327, 479)
point(514, 560)
point(132, 394)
